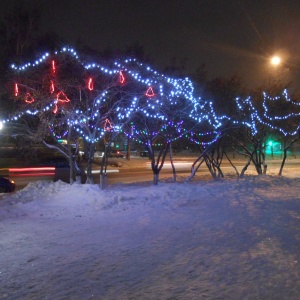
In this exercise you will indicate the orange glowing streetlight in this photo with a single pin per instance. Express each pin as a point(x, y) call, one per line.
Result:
point(275, 60)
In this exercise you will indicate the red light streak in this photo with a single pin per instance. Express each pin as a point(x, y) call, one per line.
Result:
point(122, 79)
point(53, 67)
point(55, 109)
point(16, 90)
point(90, 84)
point(52, 88)
point(37, 171)
point(31, 169)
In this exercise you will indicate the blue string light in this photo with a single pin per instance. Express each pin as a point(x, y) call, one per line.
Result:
point(164, 92)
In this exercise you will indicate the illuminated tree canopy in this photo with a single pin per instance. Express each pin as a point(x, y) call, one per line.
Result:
point(78, 99)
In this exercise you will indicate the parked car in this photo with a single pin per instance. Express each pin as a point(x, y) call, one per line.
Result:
point(7, 185)
point(115, 153)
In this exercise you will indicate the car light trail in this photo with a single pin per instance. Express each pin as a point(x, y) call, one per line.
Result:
point(36, 171)
point(31, 169)
point(98, 171)
point(177, 164)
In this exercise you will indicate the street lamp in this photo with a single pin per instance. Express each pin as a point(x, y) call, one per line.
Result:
point(275, 60)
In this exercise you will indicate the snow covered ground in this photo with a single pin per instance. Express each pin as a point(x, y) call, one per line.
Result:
point(225, 239)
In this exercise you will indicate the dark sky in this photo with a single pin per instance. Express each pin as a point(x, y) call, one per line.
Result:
point(227, 35)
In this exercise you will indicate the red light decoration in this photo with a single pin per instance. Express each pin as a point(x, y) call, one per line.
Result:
point(90, 84)
point(16, 90)
point(150, 93)
point(52, 88)
point(107, 125)
point(61, 97)
point(53, 67)
point(29, 99)
point(122, 78)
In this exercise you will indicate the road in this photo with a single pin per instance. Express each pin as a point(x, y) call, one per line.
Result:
point(130, 175)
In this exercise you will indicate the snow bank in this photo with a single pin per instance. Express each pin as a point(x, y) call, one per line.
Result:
point(224, 239)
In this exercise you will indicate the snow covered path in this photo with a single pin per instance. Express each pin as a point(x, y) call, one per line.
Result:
point(203, 240)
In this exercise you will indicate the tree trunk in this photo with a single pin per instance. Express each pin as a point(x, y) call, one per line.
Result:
point(283, 161)
point(172, 163)
point(195, 169)
point(285, 152)
point(210, 167)
point(71, 170)
point(128, 149)
point(103, 181)
point(155, 178)
point(265, 166)
point(245, 167)
point(236, 170)
point(91, 151)
point(89, 175)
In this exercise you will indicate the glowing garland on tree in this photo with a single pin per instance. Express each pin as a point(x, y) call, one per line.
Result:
point(29, 99)
point(168, 92)
point(16, 90)
point(248, 108)
point(61, 98)
point(150, 93)
point(53, 67)
point(178, 132)
point(54, 128)
point(177, 88)
point(52, 87)
point(122, 78)
point(90, 84)
point(276, 99)
point(182, 87)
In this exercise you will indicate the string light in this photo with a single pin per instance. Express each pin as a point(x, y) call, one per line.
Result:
point(171, 93)
point(107, 125)
point(122, 79)
point(150, 93)
point(29, 99)
point(254, 118)
point(90, 84)
point(53, 67)
point(16, 90)
point(61, 97)
point(52, 88)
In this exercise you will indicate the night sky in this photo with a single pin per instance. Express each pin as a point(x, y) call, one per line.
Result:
point(229, 36)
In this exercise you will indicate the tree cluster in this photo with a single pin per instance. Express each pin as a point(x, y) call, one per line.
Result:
point(60, 96)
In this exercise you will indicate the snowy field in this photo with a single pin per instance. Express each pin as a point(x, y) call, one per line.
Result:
point(208, 239)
